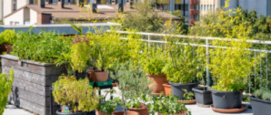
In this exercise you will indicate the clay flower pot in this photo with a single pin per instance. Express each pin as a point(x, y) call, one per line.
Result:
point(167, 88)
point(97, 75)
point(158, 81)
point(142, 110)
point(127, 113)
point(100, 113)
point(181, 113)
point(8, 48)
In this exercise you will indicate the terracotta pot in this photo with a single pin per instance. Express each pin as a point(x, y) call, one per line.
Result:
point(100, 113)
point(181, 113)
point(9, 48)
point(158, 81)
point(127, 113)
point(97, 76)
point(167, 88)
point(3, 48)
point(142, 110)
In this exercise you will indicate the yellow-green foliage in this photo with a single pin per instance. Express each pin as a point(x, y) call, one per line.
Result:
point(5, 89)
point(8, 36)
point(76, 94)
point(80, 52)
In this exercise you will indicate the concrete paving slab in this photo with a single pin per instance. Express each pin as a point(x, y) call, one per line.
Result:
point(12, 110)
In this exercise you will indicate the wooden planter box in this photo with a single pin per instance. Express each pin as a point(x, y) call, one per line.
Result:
point(31, 84)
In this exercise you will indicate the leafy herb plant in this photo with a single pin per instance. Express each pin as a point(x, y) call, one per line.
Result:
point(78, 95)
point(8, 37)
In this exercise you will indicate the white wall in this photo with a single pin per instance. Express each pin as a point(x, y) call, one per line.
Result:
point(33, 17)
point(1, 9)
point(7, 7)
point(16, 17)
point(21, 3)
point(260, 7)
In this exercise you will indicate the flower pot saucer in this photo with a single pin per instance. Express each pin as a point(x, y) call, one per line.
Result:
point(234, 110)
point(158, 94)
point(187, 101)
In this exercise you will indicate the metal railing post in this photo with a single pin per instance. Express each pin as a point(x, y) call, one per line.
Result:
point(207, 63)
point(149, 40)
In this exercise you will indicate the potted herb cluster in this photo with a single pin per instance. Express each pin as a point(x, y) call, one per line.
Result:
point(75, 96)
point(133, 85)
point(106, 107)
point(7, 38)
point(153, 61)
point(261, 102)
point(230, 67)
point(167, 106)
point(181, 69)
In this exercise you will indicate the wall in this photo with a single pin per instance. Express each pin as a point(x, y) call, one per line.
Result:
point(16, 17)
point(269, 7)
point(260, 7)
point(7, 7)
point(33, 17)
point(27, 15)
point(243, 4)
point(21, 3)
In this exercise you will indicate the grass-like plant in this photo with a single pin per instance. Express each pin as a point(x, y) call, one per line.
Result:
point(182, 64)
point(153, 60)
point(41, 47)
point(5, 89)
point(78, 95)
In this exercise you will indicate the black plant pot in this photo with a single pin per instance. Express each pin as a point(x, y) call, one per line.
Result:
point(177, 89)
point(80, 75)
point(260, 107)
point(78, 113)
point(227, 100)
point(203, 96)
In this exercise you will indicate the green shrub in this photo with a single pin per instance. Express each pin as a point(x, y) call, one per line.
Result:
point(264, 94)
point(5, 89)
point(8, 36)
point(41, 47)
point(78, 95)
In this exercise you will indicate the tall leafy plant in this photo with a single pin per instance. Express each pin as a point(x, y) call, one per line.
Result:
point(8, 36)
point(5, 89)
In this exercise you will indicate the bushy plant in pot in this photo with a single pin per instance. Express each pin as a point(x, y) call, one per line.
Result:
point(8, 38)
point(153, 60)
point(230, 66)
point(167, 106)
point(75, 96)
point(80, 56)
point(261, 102)
point(182, 69)
point(133, 85)
point(5, 89)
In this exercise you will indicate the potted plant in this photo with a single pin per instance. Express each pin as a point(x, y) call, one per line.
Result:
point(203, 96)
point(133, 85)
point(6, 85)
point(106, 107)
point(182, 69)
point(75, 96)
point(153, 61)
point(167, 106)
point(8, 38)
point(80, 56)
point(230, 67)
point(261, 102)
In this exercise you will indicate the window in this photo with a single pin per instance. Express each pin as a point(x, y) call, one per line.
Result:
point(16, 23)
point(11, 23)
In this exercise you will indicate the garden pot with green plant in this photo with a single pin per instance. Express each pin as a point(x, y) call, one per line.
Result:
point(80, 56)
point(8, 37)
point(131, 77)
point(182, 69)
point(261, 102)
point(230, 67)
point(153, 61)
point(74, 96)
point(167, 106)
